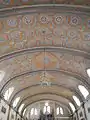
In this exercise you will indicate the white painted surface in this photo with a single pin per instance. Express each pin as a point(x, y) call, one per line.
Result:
point(18, 117)
point(83, 114)
point(75, 116)
point(87, 105)
point(12, 113)
point(3, 116)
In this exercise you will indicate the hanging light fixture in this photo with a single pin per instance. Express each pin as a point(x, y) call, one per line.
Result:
point(45, 81)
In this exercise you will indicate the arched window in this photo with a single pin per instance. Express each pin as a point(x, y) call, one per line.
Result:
point(2, 74)
point(24, 112)
point(77, 100)
point(46, 108)
point(46, 104)
point(21, 107)
point(84, 91)
point(61, 111)
point(72, 107)
point(88, 72)
point(57, 111)
point(34, 111)
point(8, 93)
point(16, 102)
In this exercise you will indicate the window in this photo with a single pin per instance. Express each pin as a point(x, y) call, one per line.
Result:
point(57, 111)
point(34, 111)
point(8, 93)
point(16, 102)
point(77, 100)
point(84, 91)
point(46, 108)
point(72, 107)
point(24, 112)
point(61, 111)
point(46, 104)
point(88, 72)
point(2, 74)
point(21, 107)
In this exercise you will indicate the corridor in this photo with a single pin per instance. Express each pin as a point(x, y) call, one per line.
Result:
point(45, 60)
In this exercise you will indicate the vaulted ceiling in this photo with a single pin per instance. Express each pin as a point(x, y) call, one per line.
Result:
point(44, 45)
point(10, 3)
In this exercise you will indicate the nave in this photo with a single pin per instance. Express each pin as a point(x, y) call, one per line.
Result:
point(45, 60)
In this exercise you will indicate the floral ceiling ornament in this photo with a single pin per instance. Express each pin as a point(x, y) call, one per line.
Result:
point(59, 20)
point(75, 20)
point(45, 80)
point(12, 22)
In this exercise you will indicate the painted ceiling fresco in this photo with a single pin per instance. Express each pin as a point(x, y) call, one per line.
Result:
point(45, 60)
point(53, 29)
point(10, 3)
point(44, 52)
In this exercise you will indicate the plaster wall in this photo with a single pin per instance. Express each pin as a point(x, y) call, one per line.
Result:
point(4, 108)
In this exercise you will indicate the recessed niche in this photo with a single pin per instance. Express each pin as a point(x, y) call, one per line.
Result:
point(12, 116)
point(80, 114)
point(89, 110)
point(3, 109)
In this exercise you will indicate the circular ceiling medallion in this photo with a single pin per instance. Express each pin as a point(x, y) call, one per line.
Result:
point(75, 20)
point(12, 22)
point(28, 20)
point(44, 19)
point(59, 20)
